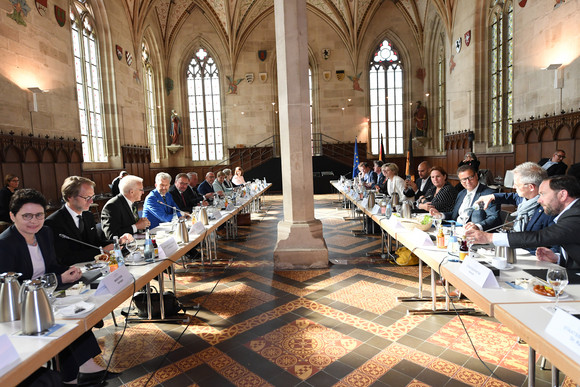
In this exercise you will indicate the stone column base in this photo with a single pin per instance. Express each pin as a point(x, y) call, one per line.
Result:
point(300, 246)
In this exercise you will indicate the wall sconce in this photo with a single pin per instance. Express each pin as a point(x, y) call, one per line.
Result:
point(558, 75)
point(33, 106)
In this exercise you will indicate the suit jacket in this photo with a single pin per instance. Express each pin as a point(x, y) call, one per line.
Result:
point(5, 196)
point(205, 188)
point(492, 211)
point(564, 233)
point(556, 169)
point(115, 186)
point(190, 198)
point(70, 252)
point(117, 217)
point(420, 192)
point(157, 212)
point(16, 257)
point(538, 221)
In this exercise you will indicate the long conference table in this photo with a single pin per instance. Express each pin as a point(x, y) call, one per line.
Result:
point(521, 310)
point(34, 352)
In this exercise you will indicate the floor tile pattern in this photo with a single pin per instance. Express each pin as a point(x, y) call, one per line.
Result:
point(339, 326)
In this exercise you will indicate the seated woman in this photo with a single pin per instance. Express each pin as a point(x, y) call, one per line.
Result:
point(10, 185)
point(27, 248)
point(238, 178)
point(393, 182)
point(470, 159)
point(218, 184)
point(228, 180)
point(441, 196)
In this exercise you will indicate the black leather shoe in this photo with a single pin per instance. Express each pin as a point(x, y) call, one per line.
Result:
point(95, 378)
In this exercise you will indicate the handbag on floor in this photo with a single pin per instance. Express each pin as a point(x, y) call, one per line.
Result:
point(170, 301)
point(405, 257)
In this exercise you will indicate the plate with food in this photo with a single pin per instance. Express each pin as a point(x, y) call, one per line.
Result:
point(546, 291)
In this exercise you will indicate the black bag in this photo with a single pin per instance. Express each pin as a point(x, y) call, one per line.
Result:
point(170, 301)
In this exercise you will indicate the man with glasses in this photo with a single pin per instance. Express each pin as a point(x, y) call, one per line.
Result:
point(555, 165)
point(120, 216)
point(75, 220)
point(463, 211)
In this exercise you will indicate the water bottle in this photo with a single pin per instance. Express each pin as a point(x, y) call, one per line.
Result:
point(389, 210)
point(118, 253)
point(149, 252)
point(174, 219)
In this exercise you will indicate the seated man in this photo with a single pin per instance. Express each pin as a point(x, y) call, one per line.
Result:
point(74, 220)
point(206, 187)
point(193, 185)
point(115, 185)
point(530, 214)
point(555, 166)
point(559, 197)
point(420, 186)
point(159, 205)
point(463, 209)
point(367, 176)
point(184, 197)
point(119, 215)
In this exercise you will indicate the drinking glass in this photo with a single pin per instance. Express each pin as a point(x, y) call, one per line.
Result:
point(50, 284)
point(132, 247)
point(470, 242)
point(558, 279)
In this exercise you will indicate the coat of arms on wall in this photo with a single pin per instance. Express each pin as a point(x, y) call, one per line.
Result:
point(42, 7)
point(262, 54)
point(59, 15)
point(19, 11)
point(250, 77)
point(263, 77)
point(129, 58)
point(325, 53)
point(340, 75)
point(467, 38)
point(119, 51)
point(326, 75)
point(458, 45)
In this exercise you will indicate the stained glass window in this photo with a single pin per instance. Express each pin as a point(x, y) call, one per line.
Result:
point(204, 99)
point(88, 87)
point(386, 99)
point(150, 103)
point(501, 73)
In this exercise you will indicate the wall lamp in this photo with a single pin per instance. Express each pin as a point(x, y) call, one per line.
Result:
point(558, 75)
point(33, 107)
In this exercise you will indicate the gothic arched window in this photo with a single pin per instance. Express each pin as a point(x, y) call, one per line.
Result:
point(386, 99)
point(88, 84)
point(150, 103)
point(204, 101)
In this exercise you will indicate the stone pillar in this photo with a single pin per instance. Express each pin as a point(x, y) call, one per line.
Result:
point(300, 242)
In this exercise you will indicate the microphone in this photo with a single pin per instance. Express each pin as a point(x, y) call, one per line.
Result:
point(175, 208)
point(63, 236)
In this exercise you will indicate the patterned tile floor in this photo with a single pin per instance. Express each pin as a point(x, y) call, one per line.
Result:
point(340, 326)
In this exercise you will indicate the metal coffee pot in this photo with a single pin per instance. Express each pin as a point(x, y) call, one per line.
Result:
point(9, 292)
point(395, 199)
point(371, 202)
point(37, 315)
point(182, 229)
point(406, 209)
point(203, 216)
point(507, 253)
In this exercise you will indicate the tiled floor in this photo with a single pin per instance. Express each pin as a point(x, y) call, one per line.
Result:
point(340, 326)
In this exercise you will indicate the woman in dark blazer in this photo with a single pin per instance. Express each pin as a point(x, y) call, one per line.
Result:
point(27, 248)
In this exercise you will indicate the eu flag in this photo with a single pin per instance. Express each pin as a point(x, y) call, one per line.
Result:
point(355, 163)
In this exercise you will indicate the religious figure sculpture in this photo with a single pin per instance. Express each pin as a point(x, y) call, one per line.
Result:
point(421, 120)
point(174, 127)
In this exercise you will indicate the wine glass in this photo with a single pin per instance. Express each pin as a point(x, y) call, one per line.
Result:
point(50, 282)
point(558, 279)
point(132, 247)
point(470, 241)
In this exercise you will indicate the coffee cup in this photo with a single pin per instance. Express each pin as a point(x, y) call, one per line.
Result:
point(499, 262)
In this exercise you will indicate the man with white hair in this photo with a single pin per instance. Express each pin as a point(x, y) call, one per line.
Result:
point(158, 204)
point(119, 215)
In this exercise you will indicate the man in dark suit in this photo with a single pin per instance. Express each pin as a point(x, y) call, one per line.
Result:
point(115, 184)
point(420, 186)
point(463, 211)
point(206, 187)
point(559, 197)
point(119, 215)
point(184, 197)
point(73, 219)
point(555, 166)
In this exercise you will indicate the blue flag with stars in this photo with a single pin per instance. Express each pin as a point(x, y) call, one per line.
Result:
point(355, 162)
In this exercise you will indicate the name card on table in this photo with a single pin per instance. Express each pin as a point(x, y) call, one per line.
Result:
point(478, 273)
point(421, 238)
point(565, 328)
point(8, 354)
point(230, 207)
point(395, 223)
point(169, 246)
point(197, 229)
point(114, 282)
point(217, 215)
point(365, 202)
point(376, 209)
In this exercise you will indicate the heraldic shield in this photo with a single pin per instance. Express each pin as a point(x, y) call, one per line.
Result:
point(262, 54)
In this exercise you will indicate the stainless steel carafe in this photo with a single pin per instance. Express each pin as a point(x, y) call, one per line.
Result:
point(203, 216)
point(183, 234)
point(406, 209)
point(36, 311)
point(371, 202)
point(507, 253)
point(9, 293)
point(395, 199)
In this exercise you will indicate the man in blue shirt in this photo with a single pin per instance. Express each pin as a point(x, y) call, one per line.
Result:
point(158, 204)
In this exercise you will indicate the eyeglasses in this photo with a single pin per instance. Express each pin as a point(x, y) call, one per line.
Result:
point(87, 198)
point(561, 156)
point(28, 217)
point(467, 178)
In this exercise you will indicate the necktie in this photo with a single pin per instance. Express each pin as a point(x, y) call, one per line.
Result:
point(81, 224)
point(135, 212)
point(183, 199)
point(464, 210)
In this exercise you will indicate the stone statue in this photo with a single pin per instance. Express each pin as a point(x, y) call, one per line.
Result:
point(421, 120)
point(175, 127)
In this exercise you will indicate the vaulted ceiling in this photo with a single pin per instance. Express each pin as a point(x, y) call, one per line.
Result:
point(235, 19)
